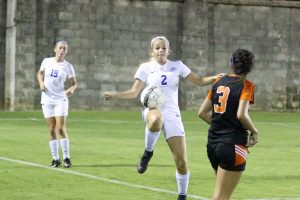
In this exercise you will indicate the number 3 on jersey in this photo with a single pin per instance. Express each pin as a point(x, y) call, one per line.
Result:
point(223, 97)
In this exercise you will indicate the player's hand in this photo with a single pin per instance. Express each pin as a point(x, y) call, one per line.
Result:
point(220, 75)
point(43, 88)
point(107, 95)
point(252, 139)
point(69, 93)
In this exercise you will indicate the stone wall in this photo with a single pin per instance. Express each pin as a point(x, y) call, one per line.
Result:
point(26, 46)
point(268, 29)
point(271, 33)
point(2, 50)
point(108, 39)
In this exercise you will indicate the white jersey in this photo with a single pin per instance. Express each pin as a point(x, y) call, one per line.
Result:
point(55, 75)
point(167, 78)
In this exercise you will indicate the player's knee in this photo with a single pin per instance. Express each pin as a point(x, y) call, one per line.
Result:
point(53, 135)
point(52, 130)
point(62, 132)
point(181, 166)
point(155, 123)
point(154, 127)
point(52, 127)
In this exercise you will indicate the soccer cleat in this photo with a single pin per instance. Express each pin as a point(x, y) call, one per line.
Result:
point(55, 163)
point(67, 163)
point(143, 164)
point(181, 197)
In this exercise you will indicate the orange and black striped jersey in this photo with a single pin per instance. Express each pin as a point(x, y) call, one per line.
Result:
point(225, 95)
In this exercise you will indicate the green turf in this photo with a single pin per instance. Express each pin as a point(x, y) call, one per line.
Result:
point(108, 145)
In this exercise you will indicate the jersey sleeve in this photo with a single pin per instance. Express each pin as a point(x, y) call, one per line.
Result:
point(43, 65)
point(209, 94)
point(184, 70)
point(141, 73)
point(71, 72)
point(248, 92)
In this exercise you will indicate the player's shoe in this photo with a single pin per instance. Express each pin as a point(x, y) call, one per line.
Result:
point(55, 163)
point(143, 164)
point(67, 163)
point(182, 197)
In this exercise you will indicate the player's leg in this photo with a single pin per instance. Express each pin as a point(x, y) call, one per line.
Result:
point(175, 136)
point(64, 140)
point(53, 142)
point(177, 146)
point(231, 161)
point(61, 111)
point(48, 111)
point(226, 182)
point(154, 122)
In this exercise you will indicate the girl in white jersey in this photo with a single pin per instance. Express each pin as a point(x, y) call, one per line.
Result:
point(52, 75)
point(163, 73)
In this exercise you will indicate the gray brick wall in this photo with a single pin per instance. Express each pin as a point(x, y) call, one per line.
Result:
point(25, 55)
point(108, 39)
point(270, 32)
point(2, 50)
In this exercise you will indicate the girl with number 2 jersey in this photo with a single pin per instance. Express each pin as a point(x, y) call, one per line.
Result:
point(165, 74)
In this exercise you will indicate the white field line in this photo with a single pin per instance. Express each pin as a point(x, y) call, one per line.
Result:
point(297, 198)
point(291, 125)
point(89, 176)
point(120, 182)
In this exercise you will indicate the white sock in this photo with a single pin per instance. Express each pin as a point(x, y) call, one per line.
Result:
point(54, 149)
point(182, 182)
point(150, 139)
point(64, 143)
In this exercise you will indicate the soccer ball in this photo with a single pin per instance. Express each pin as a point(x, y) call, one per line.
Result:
point(153, 97)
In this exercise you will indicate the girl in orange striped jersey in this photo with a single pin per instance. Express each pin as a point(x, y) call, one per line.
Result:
point(226, 110)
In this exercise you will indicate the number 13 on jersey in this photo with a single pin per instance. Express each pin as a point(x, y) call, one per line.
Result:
point(223, 97)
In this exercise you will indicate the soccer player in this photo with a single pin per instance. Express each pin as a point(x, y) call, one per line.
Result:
point(226, 110)
point(51, 77)
point(161, 72)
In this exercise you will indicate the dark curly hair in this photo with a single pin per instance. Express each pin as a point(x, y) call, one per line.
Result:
point(242, 61)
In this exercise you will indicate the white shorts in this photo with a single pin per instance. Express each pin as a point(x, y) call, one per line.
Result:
point(172, 126)
point(55, 110)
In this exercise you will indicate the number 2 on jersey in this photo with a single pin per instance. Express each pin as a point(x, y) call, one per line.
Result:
point(223, 97)
point(164, 80)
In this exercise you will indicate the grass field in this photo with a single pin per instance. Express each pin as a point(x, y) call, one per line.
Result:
point(105, 148)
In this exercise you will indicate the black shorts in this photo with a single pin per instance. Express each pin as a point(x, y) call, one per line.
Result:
point(231, 157)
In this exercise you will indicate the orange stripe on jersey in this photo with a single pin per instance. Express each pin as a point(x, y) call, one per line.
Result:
point(241, 153)
point(209, 94)
point(248, 91)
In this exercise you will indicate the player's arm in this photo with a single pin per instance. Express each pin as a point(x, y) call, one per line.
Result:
point(73, 86)
point(205, 110)
point(128, 94)
point(198, 80)
point(40, 78)
point(244, 118)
